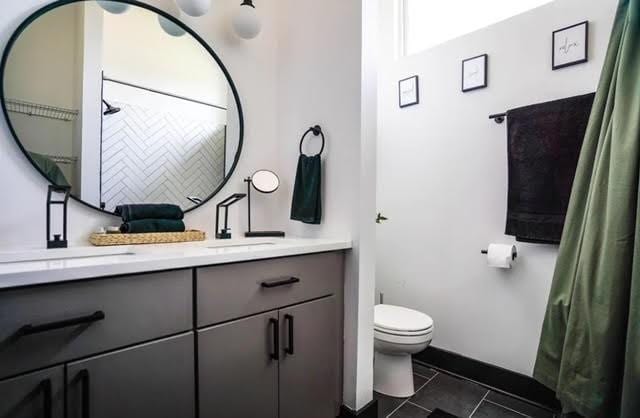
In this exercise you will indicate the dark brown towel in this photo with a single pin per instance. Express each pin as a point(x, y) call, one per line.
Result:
point(544, 146)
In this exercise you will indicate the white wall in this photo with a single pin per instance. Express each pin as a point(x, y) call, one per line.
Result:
point(320, 73)
point(88, 141)
point(443, 180)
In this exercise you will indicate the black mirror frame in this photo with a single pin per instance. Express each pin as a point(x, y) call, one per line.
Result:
point(59, 3)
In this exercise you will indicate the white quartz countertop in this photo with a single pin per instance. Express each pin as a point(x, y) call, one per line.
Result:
point(32, 267)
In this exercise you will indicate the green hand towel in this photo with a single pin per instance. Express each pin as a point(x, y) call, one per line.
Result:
point(307, 200)
point(149, 211)
point(142, 226)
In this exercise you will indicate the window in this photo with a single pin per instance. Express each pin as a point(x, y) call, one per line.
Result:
point(426, 23)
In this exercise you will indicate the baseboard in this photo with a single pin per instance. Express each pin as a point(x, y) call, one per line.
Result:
point(370, 410)
point(504, 380)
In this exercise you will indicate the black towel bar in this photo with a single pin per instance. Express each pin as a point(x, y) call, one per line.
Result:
point(498, 117)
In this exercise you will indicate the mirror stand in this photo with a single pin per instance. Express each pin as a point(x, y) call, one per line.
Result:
point(257, 234)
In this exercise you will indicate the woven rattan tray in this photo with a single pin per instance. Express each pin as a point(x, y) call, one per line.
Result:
point(103, 240)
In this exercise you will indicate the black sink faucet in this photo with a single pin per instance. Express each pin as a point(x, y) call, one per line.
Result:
point(225, 233)
point(59, 240)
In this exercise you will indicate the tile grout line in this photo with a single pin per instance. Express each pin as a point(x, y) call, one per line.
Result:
point(418, 406)
point(479, 403)
point(399, 406)
point(507, 408)
point(407, 400)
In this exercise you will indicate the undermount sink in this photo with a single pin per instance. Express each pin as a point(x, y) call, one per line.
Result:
point(94, 253)
point(240, 245)
point(62, 254)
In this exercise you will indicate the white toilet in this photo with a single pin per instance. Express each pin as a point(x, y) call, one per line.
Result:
point(398, 333)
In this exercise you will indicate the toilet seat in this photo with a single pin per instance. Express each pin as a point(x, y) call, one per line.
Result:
point(401, 321)
point(402, 339)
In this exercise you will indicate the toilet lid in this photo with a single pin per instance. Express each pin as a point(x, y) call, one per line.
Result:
point(397, 318)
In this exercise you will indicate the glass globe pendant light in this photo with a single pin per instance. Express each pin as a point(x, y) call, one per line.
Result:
point(194, 8)
point(169, 6)
point(246, 22)
point(114, 7)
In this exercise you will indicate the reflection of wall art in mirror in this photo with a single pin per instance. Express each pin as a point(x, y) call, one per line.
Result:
point(409, 91)
point(570, 45)
point(474, 73)
point(95, 98)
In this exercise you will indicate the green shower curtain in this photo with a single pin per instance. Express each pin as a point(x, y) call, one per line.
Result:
point(589, 350)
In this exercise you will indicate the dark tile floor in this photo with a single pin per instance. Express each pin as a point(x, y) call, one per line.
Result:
point(460, 397)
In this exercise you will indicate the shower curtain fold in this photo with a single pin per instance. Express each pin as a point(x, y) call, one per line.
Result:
point(589, 350)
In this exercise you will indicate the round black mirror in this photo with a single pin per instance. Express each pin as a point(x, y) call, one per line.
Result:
point(265, 181)
point(101, 98)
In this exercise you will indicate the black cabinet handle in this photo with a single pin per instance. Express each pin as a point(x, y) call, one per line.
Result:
point(277, 283)
point(275, 328)
point(86, 398)
point(47, 398)
point(36, 329)
point(289, 349)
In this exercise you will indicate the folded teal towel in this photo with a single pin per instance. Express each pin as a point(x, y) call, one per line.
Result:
point(142, 226)
point(307, 191)
point(149, 211)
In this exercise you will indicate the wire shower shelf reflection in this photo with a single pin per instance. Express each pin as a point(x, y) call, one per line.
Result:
point(41, 110)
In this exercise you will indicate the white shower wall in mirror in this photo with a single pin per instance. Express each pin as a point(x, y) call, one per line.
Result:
point(424, 24)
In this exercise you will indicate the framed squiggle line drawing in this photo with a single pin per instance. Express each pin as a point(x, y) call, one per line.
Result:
point(409, 91)
point(570, 45)
point(474, 73)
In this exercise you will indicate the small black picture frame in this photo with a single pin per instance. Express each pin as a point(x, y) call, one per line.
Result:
point(409, 91)
point(475, 72)
point(570, 46)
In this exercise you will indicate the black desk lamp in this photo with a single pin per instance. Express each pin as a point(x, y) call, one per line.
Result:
point(267, 182)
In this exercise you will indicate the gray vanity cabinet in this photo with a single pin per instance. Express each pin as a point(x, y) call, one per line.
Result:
point(154, 380)
point(46, 325)
point(35, 395)
point(238, 375)
point(308, 372)
point(278, 364)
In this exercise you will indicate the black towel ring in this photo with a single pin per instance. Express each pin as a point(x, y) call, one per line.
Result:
point(316, 130)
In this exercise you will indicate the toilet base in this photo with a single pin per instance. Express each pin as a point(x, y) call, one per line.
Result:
point(393, 375)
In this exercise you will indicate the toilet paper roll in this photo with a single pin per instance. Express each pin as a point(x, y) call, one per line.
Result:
point(501, 255)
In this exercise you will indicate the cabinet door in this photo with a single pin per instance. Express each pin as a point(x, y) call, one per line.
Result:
point(36, 395)
point(154, 380)
point(309, 362)
point(238, 369)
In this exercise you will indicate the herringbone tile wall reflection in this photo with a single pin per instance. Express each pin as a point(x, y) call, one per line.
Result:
point(153, 156)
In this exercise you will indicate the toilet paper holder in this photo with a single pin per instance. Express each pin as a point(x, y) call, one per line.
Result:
point(513, 256)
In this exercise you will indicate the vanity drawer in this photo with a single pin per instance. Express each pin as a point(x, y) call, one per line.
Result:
point(237, 290)
point(41, 326)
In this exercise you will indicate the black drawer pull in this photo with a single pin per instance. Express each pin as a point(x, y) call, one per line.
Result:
point(289, 349)
point(47, 398)
point(275, 329)
point(86, 398)
point(278, 283)
point(36, 329)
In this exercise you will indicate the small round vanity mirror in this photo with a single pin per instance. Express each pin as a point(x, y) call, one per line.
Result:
point(101, 98)
point(265, 181)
